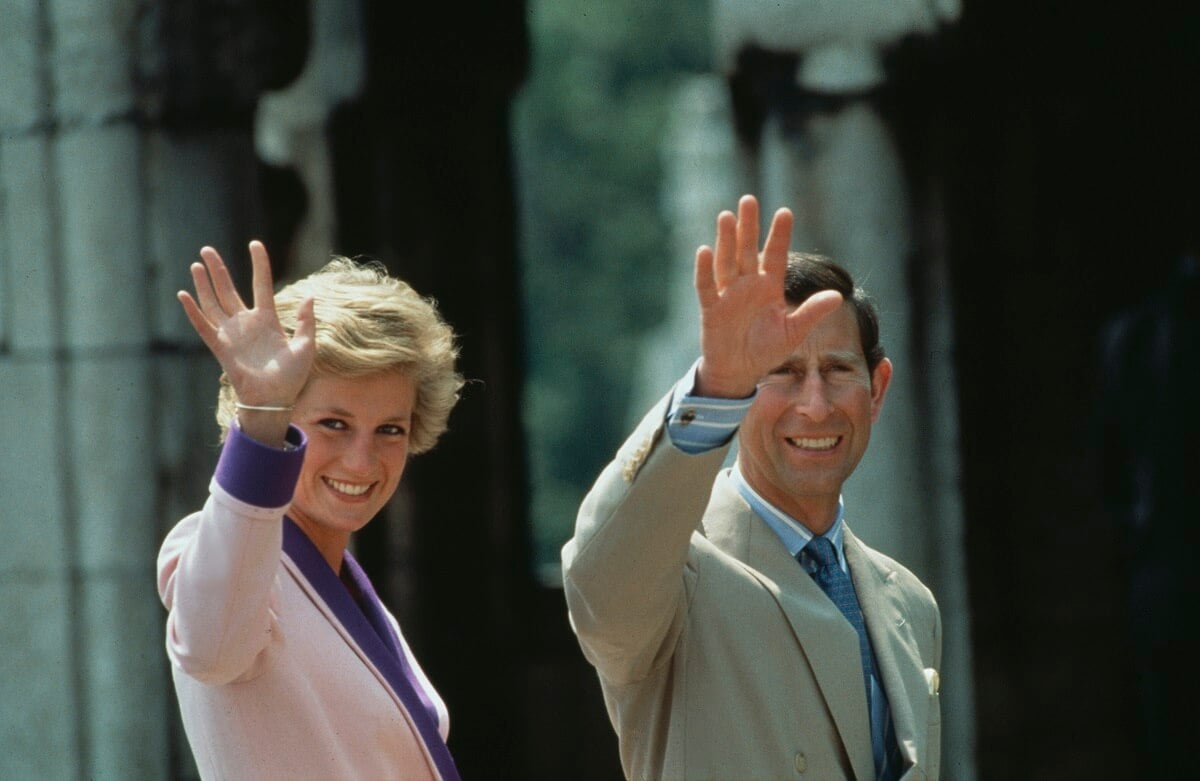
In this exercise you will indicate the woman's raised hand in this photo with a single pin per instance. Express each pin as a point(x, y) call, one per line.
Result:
point(265, 366)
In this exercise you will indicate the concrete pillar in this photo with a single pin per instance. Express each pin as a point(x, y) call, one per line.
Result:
point(290, 124)
point(704, 171)
point(39, 736)
point(841, 174)
point(838, 169)
point(77, 386)
point(105, 394)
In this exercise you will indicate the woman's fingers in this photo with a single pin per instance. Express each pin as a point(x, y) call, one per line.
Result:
point(206, 297)
point(264, 289)
point(203, 326)
point(306, 323)
point(222, 282)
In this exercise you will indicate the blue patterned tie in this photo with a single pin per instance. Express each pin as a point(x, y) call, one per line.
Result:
point(820, 560)
point(836, 584)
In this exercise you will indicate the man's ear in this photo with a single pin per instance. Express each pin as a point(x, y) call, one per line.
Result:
point(880, 379)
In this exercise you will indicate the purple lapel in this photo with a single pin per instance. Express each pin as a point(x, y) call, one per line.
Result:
point(373, 632)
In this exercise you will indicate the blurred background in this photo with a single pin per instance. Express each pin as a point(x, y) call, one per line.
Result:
point(1015, 185)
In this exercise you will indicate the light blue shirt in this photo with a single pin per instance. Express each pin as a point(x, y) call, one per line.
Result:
point(696, 424)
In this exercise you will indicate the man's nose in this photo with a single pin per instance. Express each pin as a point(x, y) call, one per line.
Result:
point(811, 397)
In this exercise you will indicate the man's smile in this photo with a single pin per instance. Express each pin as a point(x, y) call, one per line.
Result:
point(814, 443)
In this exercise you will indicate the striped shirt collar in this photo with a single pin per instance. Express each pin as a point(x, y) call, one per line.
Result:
point(793, 534)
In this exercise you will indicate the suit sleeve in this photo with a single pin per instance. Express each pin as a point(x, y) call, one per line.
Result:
point(626, 568)
point(218, 569)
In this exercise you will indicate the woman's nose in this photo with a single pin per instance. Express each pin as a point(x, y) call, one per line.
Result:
point(360, 455)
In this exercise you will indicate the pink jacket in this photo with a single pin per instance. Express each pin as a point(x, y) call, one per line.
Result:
point(278, 671)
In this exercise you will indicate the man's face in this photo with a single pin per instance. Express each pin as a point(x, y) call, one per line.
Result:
point(810, 423)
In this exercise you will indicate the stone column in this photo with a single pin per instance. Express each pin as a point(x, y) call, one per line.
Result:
point(704, 171)
point(808, 136)
point(107, 190)
point(78, 473)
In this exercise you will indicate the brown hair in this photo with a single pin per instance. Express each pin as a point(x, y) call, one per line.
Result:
point(809, 273)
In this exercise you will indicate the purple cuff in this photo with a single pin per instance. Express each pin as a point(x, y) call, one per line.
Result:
point(259, 475)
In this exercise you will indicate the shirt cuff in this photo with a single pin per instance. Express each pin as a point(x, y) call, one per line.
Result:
point(257, 474)
point(697, 424)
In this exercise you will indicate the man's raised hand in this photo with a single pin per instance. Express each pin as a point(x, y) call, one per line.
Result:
point(747, 327)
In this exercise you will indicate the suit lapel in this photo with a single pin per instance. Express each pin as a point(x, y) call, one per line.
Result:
point(827, 640)
point(896, 653)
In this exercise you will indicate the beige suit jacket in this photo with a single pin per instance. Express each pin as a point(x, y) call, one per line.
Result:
point(718, 656)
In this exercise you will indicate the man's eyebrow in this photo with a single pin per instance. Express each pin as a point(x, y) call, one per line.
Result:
point(844, 355)
point(795, 361)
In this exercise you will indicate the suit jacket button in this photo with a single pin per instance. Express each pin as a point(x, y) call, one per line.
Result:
point(800, 763)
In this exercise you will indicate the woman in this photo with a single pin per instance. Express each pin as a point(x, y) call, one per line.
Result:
point(285, 663)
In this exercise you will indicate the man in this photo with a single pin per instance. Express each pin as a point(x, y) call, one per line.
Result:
point(720, 607)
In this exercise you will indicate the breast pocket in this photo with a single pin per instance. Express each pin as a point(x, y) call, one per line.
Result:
point(933, 740)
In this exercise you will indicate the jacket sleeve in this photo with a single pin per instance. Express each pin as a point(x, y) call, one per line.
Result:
point(218, 569)
point(625, 571)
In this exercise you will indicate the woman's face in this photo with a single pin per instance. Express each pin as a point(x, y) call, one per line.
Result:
point(358, 431)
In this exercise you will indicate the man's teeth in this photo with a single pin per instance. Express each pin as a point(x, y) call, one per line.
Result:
point(808, 443)
point(348, 488)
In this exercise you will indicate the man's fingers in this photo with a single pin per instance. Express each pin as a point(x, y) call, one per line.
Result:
point(779, 239)
point(802, 319)
point(725, 262)
point(706, 284)
point(747, 235)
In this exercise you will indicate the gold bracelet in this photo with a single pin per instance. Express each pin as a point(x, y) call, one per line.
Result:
point(256, 408)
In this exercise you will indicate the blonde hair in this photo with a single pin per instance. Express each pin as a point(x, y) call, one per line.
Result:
point(369, 322)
